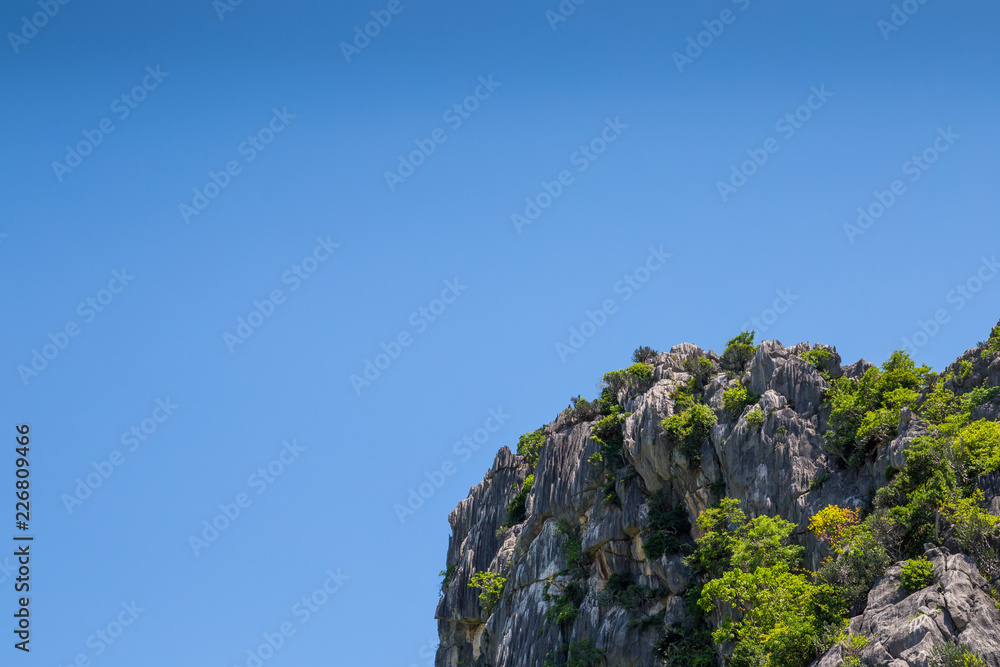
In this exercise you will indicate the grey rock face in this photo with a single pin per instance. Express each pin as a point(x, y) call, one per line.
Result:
point(780, 468)
point(903, 629)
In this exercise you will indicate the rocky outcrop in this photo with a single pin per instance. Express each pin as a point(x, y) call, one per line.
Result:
point(903, 629)
point(778, 468)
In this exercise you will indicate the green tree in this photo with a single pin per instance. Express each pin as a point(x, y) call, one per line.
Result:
point(739, 352)
point(530, 446)
point(864, 411)
point(688, 430)
point(490, 585)
point(736, 398)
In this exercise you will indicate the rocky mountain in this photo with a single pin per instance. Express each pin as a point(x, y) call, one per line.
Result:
point(769, 506)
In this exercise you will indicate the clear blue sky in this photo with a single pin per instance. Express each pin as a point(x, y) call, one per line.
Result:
point(326, 132)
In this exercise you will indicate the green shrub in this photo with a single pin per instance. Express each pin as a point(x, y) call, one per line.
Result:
point(738, 353)
point(992, 346)
point(980, 442)
point(851, 646)
point(861, 561)
point(964, 369)
point(580, 653)
point(940, 404)
point(446, 576)
point(818, 480)
point(735, 399)
point(530, 446)
point(981, 394)
point(975, 530)
point(516, 508)
point(918, 574)
point(567, 605)
point(622, 591)
point(864, 411)
point(752, 568)
point(687, 648)
point(669, 528)
point(907, 505)
point(688, 430)
point(729, 539)
point(609, 492)
point(644, 355)
point(582, 410)
point(647, 622)
point(633, 378)
point(490, 585)
point(608, 433)
point(756, 418)
point(950, 654)
point(700, 370)
point(782, 615)
point(818, 358)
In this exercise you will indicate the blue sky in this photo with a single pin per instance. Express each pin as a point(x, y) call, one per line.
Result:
point(591, 119)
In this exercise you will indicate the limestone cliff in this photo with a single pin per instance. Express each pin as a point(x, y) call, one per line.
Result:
point(781, 467)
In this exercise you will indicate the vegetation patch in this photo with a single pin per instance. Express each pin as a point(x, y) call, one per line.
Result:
point(530, 446)
point(700, 370)
point(918, 574)
point(756, 418)
point(644, 355)
point(682, 647)
point(951, 654)
point(992, 346)
point(621, 590)
point(581, 653)
point(446, 576)
point(490, 585)
point(818, 358)
point(517, 508)
point(688, 430)
point(633, 379)
point(738, 353)
point(865, 411)
point(736, 399)
point(750, 567)
point(669, 528)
